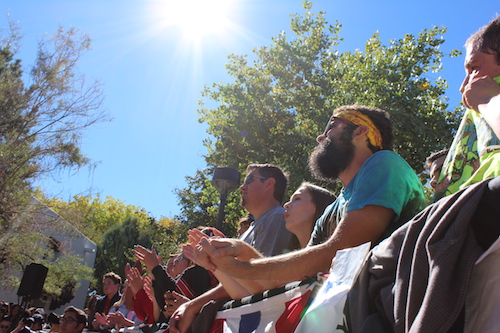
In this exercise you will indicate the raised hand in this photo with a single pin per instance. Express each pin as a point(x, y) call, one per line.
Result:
point(196, 254)
point(135, 280)
point(148, 257)
point(479, 91)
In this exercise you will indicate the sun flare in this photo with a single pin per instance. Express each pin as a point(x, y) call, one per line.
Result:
point(196, 18)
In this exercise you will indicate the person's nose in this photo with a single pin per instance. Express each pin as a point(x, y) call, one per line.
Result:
point(286, 205)
point(321, 137)
point(464, 83)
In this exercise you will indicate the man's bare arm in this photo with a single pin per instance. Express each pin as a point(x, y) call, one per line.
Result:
point(357, 227)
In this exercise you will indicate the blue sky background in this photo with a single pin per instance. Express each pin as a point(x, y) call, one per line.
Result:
point(153, 75)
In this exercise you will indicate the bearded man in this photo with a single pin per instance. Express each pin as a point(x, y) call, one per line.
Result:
point(380, 193)
point(374, 178)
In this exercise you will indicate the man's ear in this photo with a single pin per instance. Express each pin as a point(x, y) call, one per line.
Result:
point(80, 327)
point(270, 182)
point(360, 130)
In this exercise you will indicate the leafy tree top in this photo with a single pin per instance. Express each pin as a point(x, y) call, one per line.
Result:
point(277, 104)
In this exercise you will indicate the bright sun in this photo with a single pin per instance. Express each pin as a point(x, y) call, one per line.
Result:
point(195, 18)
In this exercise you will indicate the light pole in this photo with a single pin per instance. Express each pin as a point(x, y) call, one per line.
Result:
point(225, 180)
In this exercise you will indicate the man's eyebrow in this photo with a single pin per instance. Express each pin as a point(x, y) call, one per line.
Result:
point(469, 61)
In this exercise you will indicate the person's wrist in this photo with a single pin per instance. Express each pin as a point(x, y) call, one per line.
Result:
point(195, 304)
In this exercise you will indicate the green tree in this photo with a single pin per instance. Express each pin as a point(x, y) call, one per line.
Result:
point(63, 276)
point(44, 109)
point(200, 203)
point(116, 227)
point(92, 215)
point(117, 245)
point(279, 103)
point(116, 248)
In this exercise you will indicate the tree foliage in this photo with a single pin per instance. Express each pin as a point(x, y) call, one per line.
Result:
point(281, 101)
point(117, 245)
point(63, 276)
point(40, 243)
point(200, 202)
point(116, 227)
point(92, 215)
point(44, 108)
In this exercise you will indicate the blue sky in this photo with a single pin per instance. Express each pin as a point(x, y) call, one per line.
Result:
point(153, 66)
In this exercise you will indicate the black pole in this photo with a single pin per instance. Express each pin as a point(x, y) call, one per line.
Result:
point(221, 215)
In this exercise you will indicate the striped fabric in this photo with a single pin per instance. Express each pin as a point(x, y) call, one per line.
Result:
point(278, 310)
point(184, 289)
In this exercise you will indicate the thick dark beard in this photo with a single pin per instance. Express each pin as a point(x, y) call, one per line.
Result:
point(330, 158)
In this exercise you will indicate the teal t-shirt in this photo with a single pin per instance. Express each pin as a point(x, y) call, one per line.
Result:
point(385, 179)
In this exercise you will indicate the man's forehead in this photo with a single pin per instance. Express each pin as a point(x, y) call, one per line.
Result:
point(337, 119)
point(473, 55)
point(69, 314)
point(470, 55)
point(254, 172)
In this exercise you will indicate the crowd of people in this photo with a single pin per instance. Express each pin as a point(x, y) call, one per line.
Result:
point(15, 319)
point(430, 268)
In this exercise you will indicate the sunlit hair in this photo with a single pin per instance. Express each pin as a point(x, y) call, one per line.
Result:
point(81, 317)
point(113, 276)
point(486, 39)
point(432, 157)
point(272, 171)
point(381, 120)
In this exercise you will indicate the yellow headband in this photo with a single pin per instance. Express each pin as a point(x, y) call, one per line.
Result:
point(359, 119)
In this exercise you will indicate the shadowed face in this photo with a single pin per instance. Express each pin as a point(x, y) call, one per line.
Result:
point(4, 326)
point(109, 287)
point(299, 211)
point(69, 324)
point(334, 152)
point(252, 189)
point(435, 170)
point(177, 265)
point(478, 64)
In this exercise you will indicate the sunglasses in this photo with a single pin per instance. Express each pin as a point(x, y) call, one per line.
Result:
point(250, 178)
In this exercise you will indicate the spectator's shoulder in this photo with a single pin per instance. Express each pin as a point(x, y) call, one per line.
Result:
point(385, 161)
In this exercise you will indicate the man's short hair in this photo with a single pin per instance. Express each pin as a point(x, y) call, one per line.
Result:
point(380, 118)
point(81, 317)
point(487, 39)
point(432, 157)
point(272, 171)
point(113, 276)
